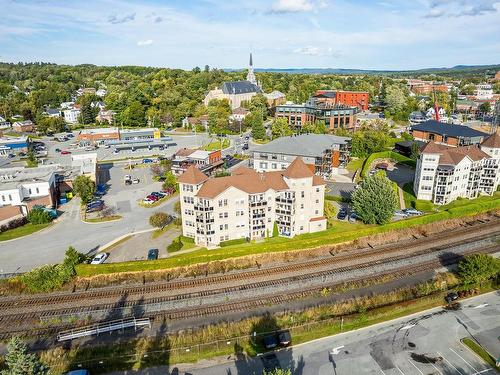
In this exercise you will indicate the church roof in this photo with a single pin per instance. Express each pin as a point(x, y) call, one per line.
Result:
point(240, 87)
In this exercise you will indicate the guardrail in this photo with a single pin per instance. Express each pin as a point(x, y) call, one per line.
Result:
point(102, 328)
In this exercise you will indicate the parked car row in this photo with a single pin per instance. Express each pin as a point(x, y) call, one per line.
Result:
point(95, 205)
point(282, 338)
point(344, 213)
point(154, 196)
point(129, 180)
point(407, 212)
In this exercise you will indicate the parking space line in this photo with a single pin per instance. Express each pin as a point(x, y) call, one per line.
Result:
point(432, 364)
point(463, 359)
point(416, 367)
point(400, 370)
point(382, 372)
point(442, 356)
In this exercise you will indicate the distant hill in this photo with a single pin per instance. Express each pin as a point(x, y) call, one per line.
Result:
point(459, 69)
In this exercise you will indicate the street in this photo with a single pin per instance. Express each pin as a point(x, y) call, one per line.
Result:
point(425, 343)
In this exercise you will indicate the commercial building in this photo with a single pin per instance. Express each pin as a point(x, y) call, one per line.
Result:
point(248, 204)
point(140, 133)
point(447, 134)
point(420, 87)
point(484, 91)
point(358, 99)
point(445, 173)
point(334, 115)
point(10, 145)
point(26, 126)
point(206, 161)
point(324, 154)
point(97, 135)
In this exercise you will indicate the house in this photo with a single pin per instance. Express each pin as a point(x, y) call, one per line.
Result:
point(416, 117)
point(445, 173)
point(4, 124)
point(206, 161)
point(51, 112)
point(101, 93)
point(324, 154)
point(67, 105)
point(448, 134)
point(71, 115)
point(86, 164)
point(86, 90)
point(10, 145)
point(275, 98)
point(98, 104)
point(239, 114)
point(249, 204)
point(106, 116)
point(26, 126)
point(484, 91)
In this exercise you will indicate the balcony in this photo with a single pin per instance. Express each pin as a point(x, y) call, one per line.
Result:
point(203, 208)
point(284, 200)
point(207, 232)
point(257, 227)
point(259, 203)
point(206, 221)
point(258, 216)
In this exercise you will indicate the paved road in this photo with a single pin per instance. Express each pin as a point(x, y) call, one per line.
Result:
point(405, 346)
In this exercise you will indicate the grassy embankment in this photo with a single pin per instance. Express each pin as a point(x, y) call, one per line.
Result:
point(340, 232)
point(217, 145)
point(22, 231)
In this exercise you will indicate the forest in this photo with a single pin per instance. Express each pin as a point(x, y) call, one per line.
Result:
point(163, 97)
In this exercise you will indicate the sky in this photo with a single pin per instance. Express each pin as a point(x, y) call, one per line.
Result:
point(361, 34)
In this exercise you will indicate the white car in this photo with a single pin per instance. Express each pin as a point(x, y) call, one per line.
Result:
point(412, 211)
point(147, 201)
point(127, 177)
point(99, 258)
point(136, 181)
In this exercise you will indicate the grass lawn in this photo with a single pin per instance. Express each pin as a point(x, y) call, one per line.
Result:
point(217, 145)
point(338, 233)
point(355, 164)
point(478, 349)
point(409, 195)
point(22, 231)
point(103, 219)
point(261, 141)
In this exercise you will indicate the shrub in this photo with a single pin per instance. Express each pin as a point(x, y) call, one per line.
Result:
point(478, 268)
point(275, 230)
point(176, 245)
point(375, 200)
point(186, 239)
point(84, 187)
point(337, 198)
point(38, 216)
point(159, 219)
point(237, 241)
point(15, 223)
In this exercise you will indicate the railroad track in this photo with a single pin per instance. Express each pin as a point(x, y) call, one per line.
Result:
point(266, 300)
point(378, 254)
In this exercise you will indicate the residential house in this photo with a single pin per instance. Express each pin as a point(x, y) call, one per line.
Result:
point(248, 204)
point(26, 126)
point(71, 115)
point(239, 114)
point(206, 161)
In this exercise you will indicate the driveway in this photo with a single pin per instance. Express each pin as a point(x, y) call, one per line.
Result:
point(401, 174)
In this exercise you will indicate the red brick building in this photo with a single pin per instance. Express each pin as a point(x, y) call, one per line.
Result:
point(358, 99)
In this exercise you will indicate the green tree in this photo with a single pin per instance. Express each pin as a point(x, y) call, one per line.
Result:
point(254, 120)
point(485, 107)
point(275, 230)
point(395, 98)
point(414, 151)
point(478, 268)
point(20, 362)
point(84, 187)
point(367, 142)
point(375, 200)
point(53, 124)
point(170, 181)
point(218, 115)
point(133, 115)
point(159, 219)
point(87, 112)
point(316, 127)
point(31, 162)
point(280, 128)
point(277, 371)
point(38, 215)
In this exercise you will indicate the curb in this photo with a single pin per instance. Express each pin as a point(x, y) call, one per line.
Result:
point(118, 239)
point(101, 222)
point(31, 234)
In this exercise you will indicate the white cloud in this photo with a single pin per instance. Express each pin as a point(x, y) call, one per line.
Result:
point(292, 6)
point(145, 42)
point(317, 51)
point(460, 8)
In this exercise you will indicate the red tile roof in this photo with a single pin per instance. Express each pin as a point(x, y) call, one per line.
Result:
point(298, 169)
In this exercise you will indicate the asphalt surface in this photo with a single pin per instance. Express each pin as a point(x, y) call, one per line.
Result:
point(424, 343)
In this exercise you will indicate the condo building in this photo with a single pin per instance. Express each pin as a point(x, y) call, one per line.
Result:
point(248, 204)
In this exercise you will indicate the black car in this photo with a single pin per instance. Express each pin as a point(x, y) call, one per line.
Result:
point(158, 194)
point(450, 297)
point(245, 146)
point(270, 342)
point(95, 208)
point(342, 214)
point(285, 338)
point(152, 254)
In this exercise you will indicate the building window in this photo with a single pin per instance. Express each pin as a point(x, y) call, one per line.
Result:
point(302, 206)
point(302, 194)
point(29, 191)
point(316, 212)
point(317, 190)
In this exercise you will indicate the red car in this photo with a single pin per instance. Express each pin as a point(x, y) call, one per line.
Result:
point(152, 198)
point(64, 152)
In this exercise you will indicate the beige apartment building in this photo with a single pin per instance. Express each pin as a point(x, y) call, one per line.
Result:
point(247, 203)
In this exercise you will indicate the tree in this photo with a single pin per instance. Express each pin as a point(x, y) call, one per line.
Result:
point(277, 371)
point(170, 182)
point(87, 112)
point(478, 268)
point(485, 107)
point(280, 128)
point(133, 115)
point(218, 115)
point(367, 142)
point(395, 98)
point(414, 150)
point(316, 127)
point(159, 219)
point(375, 200)
point(20, 362)
point(53, 124)
point(31, 162)
point(275, 230)
point(254, 120)
point(84, 187)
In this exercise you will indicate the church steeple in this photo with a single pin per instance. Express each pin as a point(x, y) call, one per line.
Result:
point(250, 75)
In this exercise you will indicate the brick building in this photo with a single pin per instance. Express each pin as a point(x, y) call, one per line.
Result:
point(358, 99)
point(98, 135)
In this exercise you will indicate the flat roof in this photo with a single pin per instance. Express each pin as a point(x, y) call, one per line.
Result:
point(11, 178)
point(443, 128)
point(99, 131)
point(311, 145)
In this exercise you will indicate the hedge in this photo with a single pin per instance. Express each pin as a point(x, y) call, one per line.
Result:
point(237, 241)
point(386, 155)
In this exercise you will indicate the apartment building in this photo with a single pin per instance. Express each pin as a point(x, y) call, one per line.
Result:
point(324, 154)
point(447, 134)
point(445, 173)
point(358, 99)
point(71, 115)
point(247, 204)
point(316, 108)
